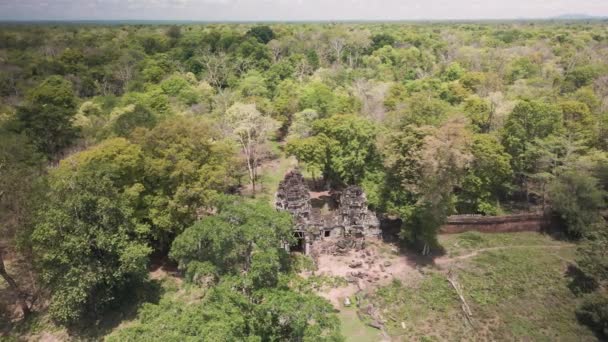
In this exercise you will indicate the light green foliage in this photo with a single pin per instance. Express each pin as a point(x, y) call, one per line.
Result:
point(88, 239)
point(55, 91)
point(349, 144)
point(523, 67)
point(188, 164)
point(174, 85)
point(453, 72)
point(286, 98)
point(319, 97)
point(253, 84)
point(580, 76)
point(478, 110)
point(301, 127)
point(528, 121)
point(578, 121)
point(487, 177)
point(473, 80)
point(314, 152)
point(424, 109)
point(154, 100)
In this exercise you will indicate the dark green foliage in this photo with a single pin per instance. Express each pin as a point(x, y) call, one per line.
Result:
point(47, 117)
point(227, 315)
point(126, 120)
point(242, 238)
point(577, 199)
point(594, 312)
point(382, 40)
point(263, 34)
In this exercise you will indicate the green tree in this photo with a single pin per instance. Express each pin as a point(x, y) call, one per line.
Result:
point(578, 121)
point(577, 199)
point(20, 172)
point(47, 116)
point(245, 238)
point(349, 142)
point(251, 129)
point(124, 120)
point(288, 316)
point(479, 111)
point(188, 163)
point(263, 33)
point(319, 97)
point(315, 152)
point(424, 166)
point(88, 239)
point(487, 177)
point(529, 120)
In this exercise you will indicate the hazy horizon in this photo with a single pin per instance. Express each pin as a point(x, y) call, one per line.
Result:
point(294, 10)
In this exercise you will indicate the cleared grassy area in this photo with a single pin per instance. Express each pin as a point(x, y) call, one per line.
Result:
point(460, 244)
point(515, 294)
point(354, 330)
point(272, 172)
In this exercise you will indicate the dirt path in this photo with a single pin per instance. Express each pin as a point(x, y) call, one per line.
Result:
point(447, 260)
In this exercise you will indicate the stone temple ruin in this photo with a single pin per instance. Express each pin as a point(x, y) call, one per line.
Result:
point(348, 217)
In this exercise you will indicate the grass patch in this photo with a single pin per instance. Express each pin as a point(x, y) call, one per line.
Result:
point(302, 263)
point(459, 244)
point(426, 310)
point(353, 329)
point(515, 294)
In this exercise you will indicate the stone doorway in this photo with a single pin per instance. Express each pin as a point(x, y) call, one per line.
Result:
point(300, 244)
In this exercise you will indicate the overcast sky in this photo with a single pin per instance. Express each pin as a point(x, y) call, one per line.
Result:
point(296, 9)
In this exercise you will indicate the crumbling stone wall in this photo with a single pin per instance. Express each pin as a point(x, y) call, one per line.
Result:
point(354, 213)
point(529, 222)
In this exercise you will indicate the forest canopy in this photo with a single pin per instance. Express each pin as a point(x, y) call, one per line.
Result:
point(124, 144)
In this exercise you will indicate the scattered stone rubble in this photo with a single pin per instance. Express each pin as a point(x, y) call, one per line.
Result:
point(347, 226)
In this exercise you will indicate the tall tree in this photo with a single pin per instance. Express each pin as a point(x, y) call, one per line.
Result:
point(89, 239)
point(20, 170)
point(245, 238)
point(251, 129)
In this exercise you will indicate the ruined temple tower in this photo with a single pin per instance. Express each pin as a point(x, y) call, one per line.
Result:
point(352, 218)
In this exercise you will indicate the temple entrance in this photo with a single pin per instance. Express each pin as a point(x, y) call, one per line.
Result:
point(299, 245)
